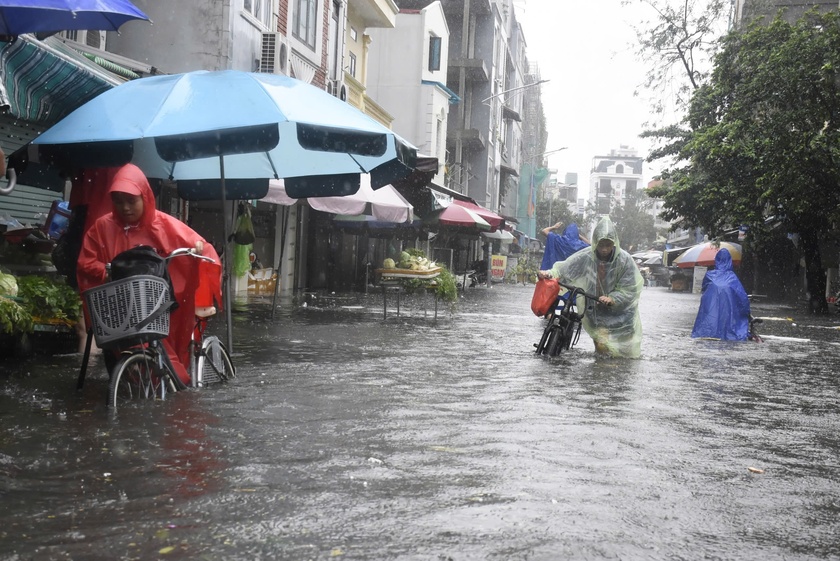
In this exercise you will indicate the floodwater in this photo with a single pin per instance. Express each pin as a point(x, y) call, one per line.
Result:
point(347, 436)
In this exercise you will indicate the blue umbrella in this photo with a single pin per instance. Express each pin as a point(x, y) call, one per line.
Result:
point(266, 126)
point(50, 16)
point(205, 129)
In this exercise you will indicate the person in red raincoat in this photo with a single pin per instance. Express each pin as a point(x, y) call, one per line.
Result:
point(134, 221)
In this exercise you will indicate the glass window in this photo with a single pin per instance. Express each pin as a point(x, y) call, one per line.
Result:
point(305, 24)
point(434, 53)
point(352, 69)
point(605, 187)
point(261, 10)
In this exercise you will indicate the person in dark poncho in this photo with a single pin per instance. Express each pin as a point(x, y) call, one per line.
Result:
point(559, 247)
point(724, 306)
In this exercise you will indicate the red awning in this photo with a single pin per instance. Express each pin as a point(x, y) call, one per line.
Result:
point(491, 217)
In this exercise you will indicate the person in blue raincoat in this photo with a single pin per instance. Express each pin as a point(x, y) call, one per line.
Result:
point(608, 272)
point(724, 306)
point(559, 247)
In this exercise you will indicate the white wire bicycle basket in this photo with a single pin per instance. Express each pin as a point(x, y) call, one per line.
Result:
point(119, 309)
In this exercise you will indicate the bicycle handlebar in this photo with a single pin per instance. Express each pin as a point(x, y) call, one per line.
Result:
point(189, 251)
point(575, 290)
point(176, 253)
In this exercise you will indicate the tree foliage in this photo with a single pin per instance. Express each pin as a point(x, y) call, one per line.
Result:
point(551, 212)
point(634, 223)
point(762, 137)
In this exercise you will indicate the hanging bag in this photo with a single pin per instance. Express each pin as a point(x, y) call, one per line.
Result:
point(545, 296)
point(243, 234)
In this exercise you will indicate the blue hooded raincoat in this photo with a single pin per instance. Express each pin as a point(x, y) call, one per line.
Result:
point(559, 247)
point(724, 307)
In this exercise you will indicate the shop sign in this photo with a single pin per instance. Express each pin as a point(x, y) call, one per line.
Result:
point(498, 266)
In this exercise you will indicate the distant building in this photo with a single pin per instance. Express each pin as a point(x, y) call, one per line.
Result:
point(615, 178)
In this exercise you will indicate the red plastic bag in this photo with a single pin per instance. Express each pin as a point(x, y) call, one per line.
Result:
point(545, 296)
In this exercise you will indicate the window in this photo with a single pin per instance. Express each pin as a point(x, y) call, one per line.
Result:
point(352, 69)
point(354, 35)
point(619, 168)
point(261, 10)
point(305, 24)
point(605, 187)
point(630, 188)
point(434, 53)
point(439, 141)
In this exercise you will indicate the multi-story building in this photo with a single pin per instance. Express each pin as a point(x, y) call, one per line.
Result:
point(407, 70)
point(534, 139)
point(511, 70)
point(614, 178)
point(487, 69)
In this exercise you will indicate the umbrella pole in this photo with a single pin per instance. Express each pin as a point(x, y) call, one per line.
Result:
point(228, 257)
point(284, 220)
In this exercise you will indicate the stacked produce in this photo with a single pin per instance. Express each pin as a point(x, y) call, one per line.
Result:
point(410, 262)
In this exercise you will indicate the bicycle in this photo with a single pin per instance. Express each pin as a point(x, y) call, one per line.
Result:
point(132, 315)
point(563, 329)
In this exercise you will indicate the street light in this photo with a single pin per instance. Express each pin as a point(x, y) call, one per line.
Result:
point(537, 83)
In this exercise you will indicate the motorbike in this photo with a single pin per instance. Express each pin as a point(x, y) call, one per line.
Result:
point(478, 273)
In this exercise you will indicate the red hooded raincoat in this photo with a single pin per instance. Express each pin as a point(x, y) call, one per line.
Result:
point(109, 236)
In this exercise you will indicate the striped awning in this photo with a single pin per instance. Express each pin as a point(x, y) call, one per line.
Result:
point(43, 81)
point(112, 66)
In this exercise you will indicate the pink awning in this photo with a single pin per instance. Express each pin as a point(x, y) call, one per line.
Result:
point(384, 204)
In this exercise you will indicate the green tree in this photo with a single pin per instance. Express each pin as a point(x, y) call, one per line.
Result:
point(550, 212)
point(634, 223)
point(763, 139)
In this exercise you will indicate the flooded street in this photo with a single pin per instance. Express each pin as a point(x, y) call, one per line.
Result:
point(347, 436)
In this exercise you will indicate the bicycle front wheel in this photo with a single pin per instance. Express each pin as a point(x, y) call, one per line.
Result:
point(544, 339)
point(555, 340)
point(137, 376)
point(213, 364)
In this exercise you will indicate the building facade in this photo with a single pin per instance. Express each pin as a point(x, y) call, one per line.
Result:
point(614, 178)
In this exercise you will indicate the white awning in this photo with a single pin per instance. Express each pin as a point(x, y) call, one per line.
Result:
point(502, 235)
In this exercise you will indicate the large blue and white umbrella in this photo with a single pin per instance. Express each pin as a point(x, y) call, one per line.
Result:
point(265, 125)
point(208, 129)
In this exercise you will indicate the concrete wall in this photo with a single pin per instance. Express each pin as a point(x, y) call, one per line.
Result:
point(192, 35)
point(397, 67)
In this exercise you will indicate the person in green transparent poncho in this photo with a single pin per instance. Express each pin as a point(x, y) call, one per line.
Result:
point(607, 271)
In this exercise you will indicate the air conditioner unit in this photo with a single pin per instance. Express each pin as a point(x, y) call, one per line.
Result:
point(337, 89)
point(91, 38)
point(274, 54)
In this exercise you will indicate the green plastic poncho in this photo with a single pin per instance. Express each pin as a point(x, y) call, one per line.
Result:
point(617, 329)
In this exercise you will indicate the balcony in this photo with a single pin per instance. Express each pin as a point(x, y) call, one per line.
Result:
point(476, 69)
point(358, 98)
point(511, 114)
point(471, 139)
point(375, 13)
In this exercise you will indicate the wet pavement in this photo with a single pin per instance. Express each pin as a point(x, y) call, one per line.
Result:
point(347, 436)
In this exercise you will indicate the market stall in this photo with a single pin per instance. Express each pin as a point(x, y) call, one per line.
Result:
point(398, 281)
